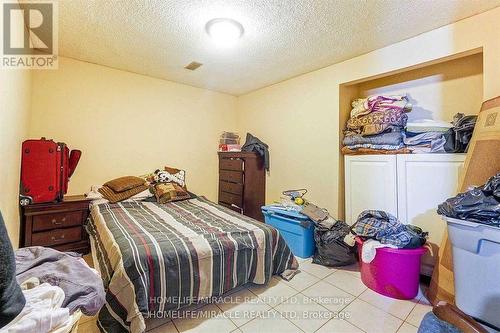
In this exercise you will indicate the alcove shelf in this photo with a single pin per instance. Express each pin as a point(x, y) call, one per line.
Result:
point(437, 90)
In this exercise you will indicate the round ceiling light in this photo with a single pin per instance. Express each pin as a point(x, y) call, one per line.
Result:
point(224, 31)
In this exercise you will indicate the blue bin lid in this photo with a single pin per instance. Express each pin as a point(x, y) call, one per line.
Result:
point(287, 213)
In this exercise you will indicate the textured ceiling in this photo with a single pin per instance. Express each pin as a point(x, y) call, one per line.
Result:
point(282, 38)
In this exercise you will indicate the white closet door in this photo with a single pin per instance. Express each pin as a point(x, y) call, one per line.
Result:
point(424, 181)
point(370, 183)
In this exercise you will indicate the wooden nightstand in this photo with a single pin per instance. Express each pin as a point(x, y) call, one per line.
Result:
point(58, 225)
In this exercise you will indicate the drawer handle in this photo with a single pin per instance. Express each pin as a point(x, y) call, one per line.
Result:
point(55, 222)
point(55, 239)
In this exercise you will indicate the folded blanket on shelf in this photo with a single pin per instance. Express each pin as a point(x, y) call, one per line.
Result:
point(420, 149)
point(377, 122)
point(391, 138)
point(380, 103)
point(411, 138)
point(428, 125)
point(371, 146)
point(370, 151)
point(427, 142)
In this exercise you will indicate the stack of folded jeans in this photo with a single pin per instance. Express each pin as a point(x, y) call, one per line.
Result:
point(426, 136)
point(377, 124)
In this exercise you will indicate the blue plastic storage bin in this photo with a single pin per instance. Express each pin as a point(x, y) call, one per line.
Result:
point(296, 229)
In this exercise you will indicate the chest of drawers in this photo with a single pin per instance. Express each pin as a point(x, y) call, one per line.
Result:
point(242, 183)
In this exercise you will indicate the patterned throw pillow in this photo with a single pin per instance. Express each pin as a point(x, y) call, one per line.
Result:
point(114, 197)
point(168, 192)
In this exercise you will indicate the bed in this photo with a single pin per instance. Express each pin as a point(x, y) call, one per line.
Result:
point(156, 258)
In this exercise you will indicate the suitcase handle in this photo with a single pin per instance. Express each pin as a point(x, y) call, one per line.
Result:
point(74, 157)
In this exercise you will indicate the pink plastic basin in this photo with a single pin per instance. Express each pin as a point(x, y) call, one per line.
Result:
point(394, 272)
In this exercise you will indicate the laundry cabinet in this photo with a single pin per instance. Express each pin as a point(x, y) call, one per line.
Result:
point(409, 186)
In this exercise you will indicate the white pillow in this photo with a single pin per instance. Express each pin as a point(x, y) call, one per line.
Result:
point(142, 195)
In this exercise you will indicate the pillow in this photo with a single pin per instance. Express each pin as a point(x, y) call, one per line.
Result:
point(123, 184)
point(168, 192)
point(114, 197)
point(143, 195)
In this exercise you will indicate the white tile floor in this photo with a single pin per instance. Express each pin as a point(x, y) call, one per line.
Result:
point(318, 299)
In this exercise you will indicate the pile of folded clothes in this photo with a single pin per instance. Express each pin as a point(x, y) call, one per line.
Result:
point(376, 125)
point(426, 136)
point(432, 136)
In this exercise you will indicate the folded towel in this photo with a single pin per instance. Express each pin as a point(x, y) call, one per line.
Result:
point(428, 125)
point(390, 138)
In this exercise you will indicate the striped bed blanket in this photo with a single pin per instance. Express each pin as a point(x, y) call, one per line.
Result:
point(157, 258)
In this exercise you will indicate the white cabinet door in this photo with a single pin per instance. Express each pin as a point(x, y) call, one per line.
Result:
point(425, 181)
point(370, 183)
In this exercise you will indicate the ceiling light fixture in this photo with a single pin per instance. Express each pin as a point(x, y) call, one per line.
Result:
point(224, 31)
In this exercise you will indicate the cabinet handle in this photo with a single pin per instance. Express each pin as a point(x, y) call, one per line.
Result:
point(55, 239)
point(55, 222)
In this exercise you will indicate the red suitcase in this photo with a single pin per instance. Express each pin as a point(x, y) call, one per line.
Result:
point(46, 167)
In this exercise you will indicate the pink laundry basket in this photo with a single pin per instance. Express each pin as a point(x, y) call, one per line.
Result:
point(394, 272)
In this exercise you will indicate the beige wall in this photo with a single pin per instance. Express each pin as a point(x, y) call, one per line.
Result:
point(129, 124)
point(299, 118)
point(15, 93)
point(437, 91)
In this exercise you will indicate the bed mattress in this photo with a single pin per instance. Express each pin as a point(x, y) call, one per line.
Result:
point(157, 258)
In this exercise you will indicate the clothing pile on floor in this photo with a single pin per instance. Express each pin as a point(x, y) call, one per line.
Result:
point(58, 287)
point(480, 204)
point(43, 311)
point(376, 125)
point(82, 286)
point(44, 290)
point(381, 229)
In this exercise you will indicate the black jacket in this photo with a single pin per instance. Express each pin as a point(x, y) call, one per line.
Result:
point(254, 144)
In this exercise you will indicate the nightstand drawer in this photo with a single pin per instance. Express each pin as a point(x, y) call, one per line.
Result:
point(57, 236)
point(57, 220)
